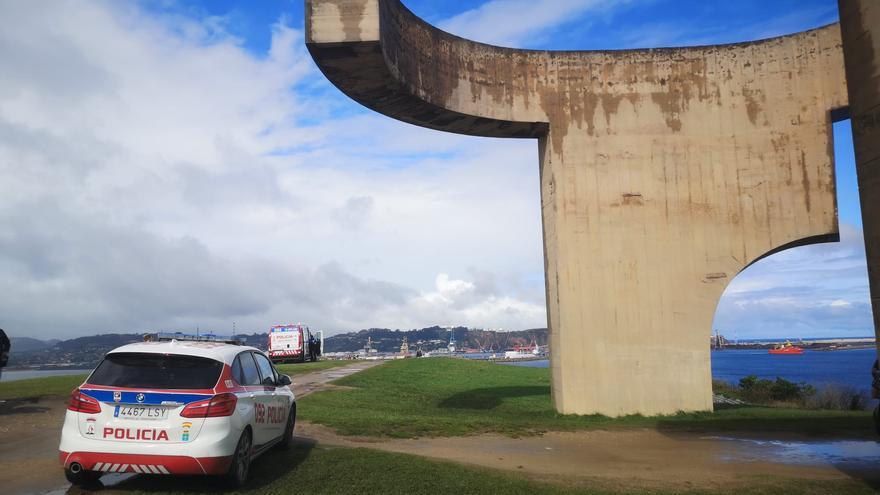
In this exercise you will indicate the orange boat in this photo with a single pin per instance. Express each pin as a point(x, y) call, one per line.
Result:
point(786, 348)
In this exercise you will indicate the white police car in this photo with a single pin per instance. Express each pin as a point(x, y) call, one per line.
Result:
point(176, 407)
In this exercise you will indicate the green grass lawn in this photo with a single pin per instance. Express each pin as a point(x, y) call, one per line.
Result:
point(310, 469)
point(302, 368)
point(450, 397)
point(40, 387)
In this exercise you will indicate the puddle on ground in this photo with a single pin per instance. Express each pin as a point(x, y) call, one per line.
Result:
point(107, 481)
point(853, 453)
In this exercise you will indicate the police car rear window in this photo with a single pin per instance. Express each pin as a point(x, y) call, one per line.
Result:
point(146, 370)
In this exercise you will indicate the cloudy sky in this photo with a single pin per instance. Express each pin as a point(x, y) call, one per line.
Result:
point(167, 165)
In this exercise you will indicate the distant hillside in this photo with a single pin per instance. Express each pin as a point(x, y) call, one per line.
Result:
point(81, 351)
point(26, 344)
point(88, 351)
point(385, 340)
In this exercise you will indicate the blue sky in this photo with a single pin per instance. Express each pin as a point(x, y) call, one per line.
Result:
point(175, 164)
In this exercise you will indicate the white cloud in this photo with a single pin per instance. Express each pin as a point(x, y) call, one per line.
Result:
point(812, 291)
point(467, 303)
point(158, 175)
point(515, 23)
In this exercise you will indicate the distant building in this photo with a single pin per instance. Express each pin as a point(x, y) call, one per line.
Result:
point(368, 350)
point(717, 341)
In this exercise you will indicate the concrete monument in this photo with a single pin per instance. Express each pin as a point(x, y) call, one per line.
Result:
point(664, 173)
point(860, 24)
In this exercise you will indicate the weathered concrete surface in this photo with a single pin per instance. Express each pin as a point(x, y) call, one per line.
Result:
point(663, 174)
point(860, 25)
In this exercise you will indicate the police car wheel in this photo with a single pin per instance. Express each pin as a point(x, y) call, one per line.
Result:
point(877, 419)
point(81, 477)
point(287, 439)
point(241, 461)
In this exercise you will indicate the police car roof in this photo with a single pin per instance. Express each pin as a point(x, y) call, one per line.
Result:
point(218, 351)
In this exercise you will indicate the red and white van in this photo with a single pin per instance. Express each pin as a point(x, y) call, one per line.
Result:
point(294, 343)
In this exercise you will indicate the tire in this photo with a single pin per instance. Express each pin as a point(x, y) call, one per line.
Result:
point(287, 439)
point(82, 478)
point(877, 419)
point(241, 461)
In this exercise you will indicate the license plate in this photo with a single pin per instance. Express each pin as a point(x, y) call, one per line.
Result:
point(141, 412)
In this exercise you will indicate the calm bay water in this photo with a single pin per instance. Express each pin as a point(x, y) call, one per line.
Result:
point(11, 376)
point(850, 367)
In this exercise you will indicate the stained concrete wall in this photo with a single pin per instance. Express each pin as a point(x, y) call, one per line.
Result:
point(663, 174)
point(860, 24)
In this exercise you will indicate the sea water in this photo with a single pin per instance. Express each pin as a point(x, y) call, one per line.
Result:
point(13, 375)
point(843, 367)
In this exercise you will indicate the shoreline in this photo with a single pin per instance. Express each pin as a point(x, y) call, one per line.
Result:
point(807, 346)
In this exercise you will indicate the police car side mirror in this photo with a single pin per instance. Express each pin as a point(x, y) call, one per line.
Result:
point(284, 380)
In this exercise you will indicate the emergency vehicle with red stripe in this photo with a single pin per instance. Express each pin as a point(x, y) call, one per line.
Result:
point(295, 343)
point(177, 406)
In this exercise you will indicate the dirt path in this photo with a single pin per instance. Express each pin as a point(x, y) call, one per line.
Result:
point(615, 459)
point(640, 458)
point(312, 382)
point(31, 429)
point(29, 435)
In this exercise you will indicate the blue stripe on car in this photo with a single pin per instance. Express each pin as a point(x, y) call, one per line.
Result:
point(150, 398)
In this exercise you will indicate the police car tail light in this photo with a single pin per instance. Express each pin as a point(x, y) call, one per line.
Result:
point(217, 406)
point(82, 403)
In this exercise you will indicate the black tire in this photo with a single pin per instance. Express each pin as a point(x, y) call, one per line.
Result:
point(877, 419)
point(241, 461)
point(82, 477)
point(287, 439)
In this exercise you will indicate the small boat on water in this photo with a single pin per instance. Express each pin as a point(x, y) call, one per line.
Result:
point(786, 348)
point(520, 352)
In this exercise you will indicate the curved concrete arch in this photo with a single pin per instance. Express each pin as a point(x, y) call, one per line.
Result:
point(343, 37)
point(800, 243)
point(664, 173)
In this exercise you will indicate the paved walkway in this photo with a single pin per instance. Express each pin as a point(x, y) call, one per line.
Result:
point(312, 382)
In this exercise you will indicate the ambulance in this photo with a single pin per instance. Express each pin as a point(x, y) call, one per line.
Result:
point(294, 344)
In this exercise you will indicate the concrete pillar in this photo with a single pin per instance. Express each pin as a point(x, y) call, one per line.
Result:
point(664, 173)
point(860, 27)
